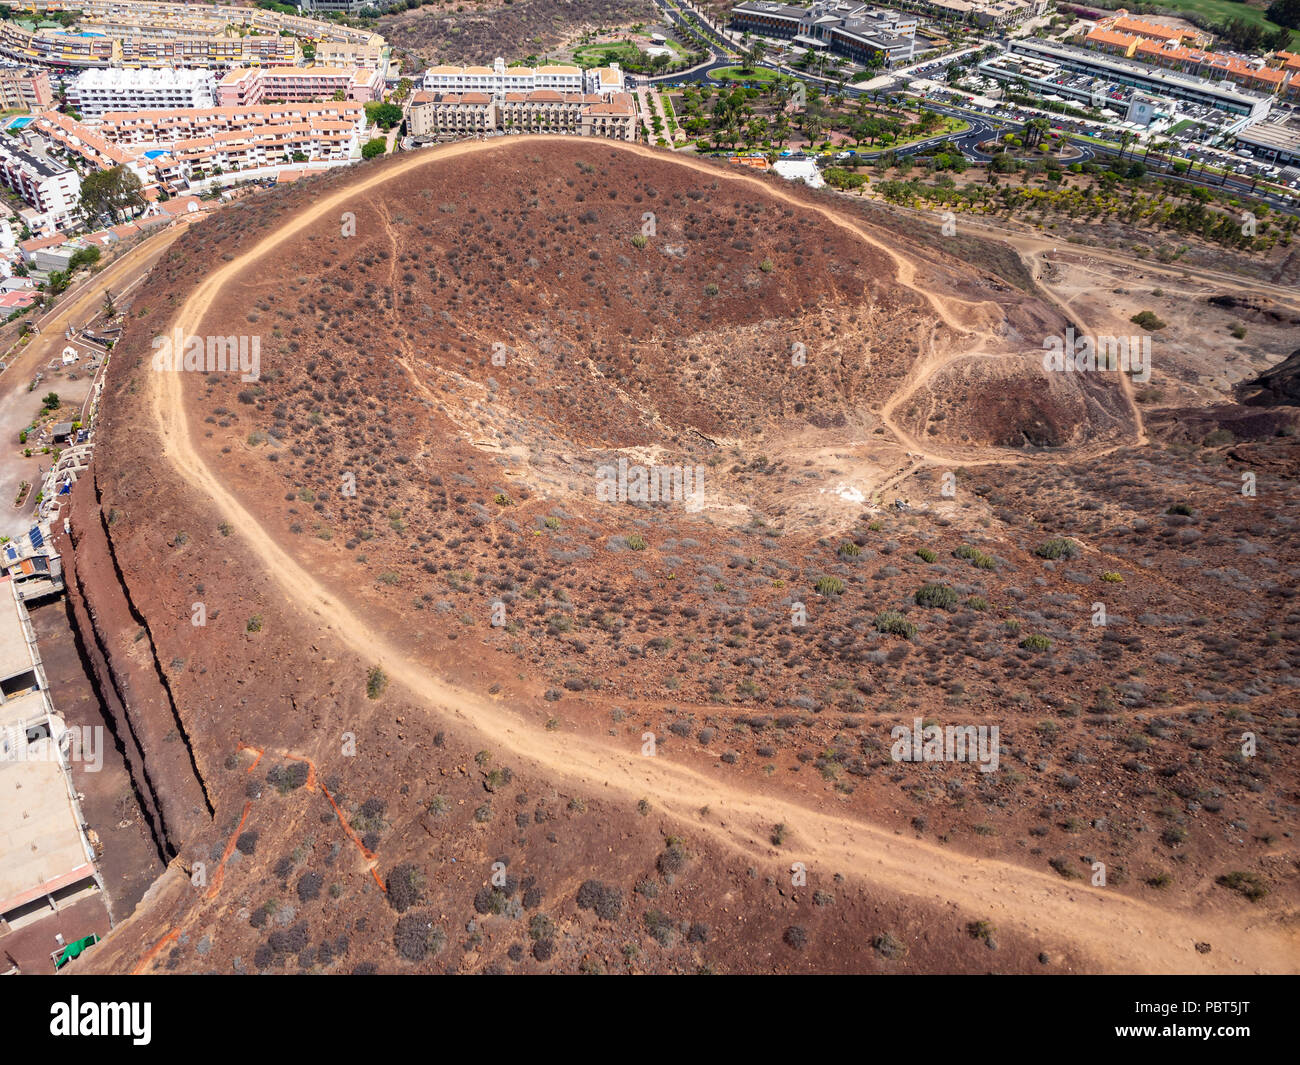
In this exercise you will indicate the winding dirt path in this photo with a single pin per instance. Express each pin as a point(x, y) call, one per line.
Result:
point(1102, 929)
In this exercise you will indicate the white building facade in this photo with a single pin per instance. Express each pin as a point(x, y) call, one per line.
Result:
point(95, 92)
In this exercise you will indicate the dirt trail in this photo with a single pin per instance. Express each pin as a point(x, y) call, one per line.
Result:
point(1104, 930)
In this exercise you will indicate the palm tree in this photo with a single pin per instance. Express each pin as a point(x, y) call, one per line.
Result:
point(781, 128)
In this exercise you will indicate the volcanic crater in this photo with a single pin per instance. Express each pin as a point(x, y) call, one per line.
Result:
point(409, 584)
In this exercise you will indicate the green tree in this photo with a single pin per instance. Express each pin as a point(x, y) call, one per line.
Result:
point(1285, 13)
point(385, 116)
point(116, 192)
point(373, 148)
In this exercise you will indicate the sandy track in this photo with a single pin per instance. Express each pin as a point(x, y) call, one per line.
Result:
point(1102, 929)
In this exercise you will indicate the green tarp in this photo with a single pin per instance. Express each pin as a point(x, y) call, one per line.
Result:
point(73, 950)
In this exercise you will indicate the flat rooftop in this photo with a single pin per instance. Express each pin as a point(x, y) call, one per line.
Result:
point(15, 656)
point(40, 841)
point(1284, 136)
point(27, 708)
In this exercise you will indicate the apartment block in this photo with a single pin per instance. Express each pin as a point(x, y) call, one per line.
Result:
point(247, 86)
point(499, 79)
point(94, 92)
point(26, 90)
point(142, 130)
point(50, 187)
point(57, 49)
point(198, 20)
point(1167, 52)
point(437, 115)
point(205, 52)
point(87, 144)
point(351, 54)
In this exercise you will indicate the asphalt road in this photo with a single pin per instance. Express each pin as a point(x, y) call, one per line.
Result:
point(76, 308)
point(982, 126)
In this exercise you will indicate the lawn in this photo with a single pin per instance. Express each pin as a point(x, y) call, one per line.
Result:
point(600, 55)
point(757, 76)
point(1223, 10)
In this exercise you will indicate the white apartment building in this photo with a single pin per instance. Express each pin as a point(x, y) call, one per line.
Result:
point(95, 92)
point(498, 79)
point(52, 189)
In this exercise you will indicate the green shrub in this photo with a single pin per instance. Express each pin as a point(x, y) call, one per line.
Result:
point(1148, 321)
point(636, 542)
point(376, 682)
point(936, 595)
point(892, 623)
point(849, 549)
point(1058, 547)
point(829, 586)
point(925, 554)
point(1036, 642)
point(1248, 884)
point(1180, 509)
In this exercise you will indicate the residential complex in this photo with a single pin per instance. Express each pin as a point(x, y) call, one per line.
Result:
point(140, 33)
point(93, 92)
point(352, 54)
point(246, 86)
point(150, 17)
point(499, 79)
point(174, 148)
point(436, 115)
point(84, 144)
point(1170, 54)
point(24, 90)
point(52, 189)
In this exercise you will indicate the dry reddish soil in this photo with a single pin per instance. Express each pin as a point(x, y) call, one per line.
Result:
point(318, 826)
point(453, 33)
